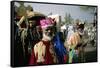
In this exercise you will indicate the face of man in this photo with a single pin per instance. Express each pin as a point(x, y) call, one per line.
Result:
point(48, 33)
point(81, 31)
point(31, 23)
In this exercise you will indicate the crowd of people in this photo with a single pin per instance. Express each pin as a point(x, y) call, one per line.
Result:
point(37, 41)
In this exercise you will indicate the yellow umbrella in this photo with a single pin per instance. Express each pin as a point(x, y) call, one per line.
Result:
point(33, 14)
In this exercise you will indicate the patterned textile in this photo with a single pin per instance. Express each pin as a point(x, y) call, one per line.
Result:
point(43, 53)
point(46, 22)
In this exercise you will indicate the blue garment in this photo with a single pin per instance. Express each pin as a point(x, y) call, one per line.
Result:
point(59, 48)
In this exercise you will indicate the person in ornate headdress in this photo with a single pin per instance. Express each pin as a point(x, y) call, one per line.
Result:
point(43, 51)
point(75, 42)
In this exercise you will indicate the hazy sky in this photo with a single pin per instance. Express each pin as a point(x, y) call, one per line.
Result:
point(75, 11)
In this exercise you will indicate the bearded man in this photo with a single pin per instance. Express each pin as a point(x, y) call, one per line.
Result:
point(43, 51)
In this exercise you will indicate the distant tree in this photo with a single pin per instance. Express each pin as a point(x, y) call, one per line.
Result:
point(92, 10)
point(85, 21)
point(88, 9)
point(68, 19)
point(77, 20)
